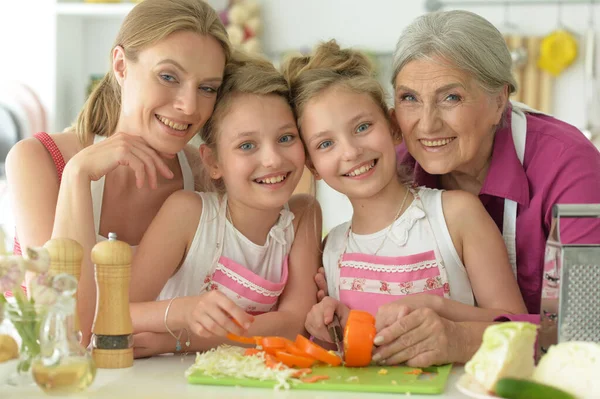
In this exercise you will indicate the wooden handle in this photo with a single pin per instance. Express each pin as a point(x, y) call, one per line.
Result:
point(113, 358)
point(516, 42)
point(545, 100)
point(112, 261)
point(65, 256)
point(530, 93)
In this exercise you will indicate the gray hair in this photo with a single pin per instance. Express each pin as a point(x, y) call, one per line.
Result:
point(466, 40)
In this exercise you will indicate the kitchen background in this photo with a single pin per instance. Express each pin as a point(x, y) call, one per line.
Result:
point(55, 48)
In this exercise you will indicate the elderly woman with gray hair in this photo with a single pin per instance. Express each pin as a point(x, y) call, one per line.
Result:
point(452, 81)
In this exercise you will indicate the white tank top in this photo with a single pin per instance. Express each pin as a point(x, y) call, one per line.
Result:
point(97, 188)
point(266, 261)
point(411, 234)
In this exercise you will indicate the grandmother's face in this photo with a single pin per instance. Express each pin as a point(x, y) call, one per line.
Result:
point(447, 120)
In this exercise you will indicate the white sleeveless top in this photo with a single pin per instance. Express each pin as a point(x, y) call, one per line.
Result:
point(418, 241)
point(97, 188)
point(220, 257)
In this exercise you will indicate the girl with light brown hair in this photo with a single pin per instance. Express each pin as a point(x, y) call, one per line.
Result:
point(425, 249)
point(241, 257)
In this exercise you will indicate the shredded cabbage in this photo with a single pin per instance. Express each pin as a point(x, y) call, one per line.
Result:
point(229, 361)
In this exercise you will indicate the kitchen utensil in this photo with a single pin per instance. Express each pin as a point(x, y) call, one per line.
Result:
point(336, 334)
point(558, 50)
point(112, 340)
point(395, 379)
point(570, 310)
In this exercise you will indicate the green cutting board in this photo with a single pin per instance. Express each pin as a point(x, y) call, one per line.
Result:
point(432, 381)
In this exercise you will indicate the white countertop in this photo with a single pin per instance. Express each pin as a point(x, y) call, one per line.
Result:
point(163, 376)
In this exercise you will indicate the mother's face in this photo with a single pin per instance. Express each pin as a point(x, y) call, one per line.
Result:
point(447, 120)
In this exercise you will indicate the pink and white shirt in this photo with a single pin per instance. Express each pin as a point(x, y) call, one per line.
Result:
point(418, 256)
point(221, 258)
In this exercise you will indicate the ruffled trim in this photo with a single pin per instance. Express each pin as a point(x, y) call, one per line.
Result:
point(390, 268)
point(415, 212)
point(278, 231)
point(242, 281)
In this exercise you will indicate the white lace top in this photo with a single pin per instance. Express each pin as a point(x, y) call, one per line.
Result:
point(409, 235)
point(265, 261)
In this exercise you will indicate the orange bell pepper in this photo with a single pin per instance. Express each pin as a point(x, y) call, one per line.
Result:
point(313, 350)
point(359, 334)
point(294, 360)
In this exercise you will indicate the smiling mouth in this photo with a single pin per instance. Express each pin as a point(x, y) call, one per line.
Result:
point(173, 125)
point(362, 169)
point(436, 143)
point(272, 179)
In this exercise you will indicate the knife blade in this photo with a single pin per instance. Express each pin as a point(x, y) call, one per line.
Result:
point(336, 334)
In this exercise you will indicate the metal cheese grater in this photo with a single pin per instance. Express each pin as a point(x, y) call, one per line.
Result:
point(570, 306)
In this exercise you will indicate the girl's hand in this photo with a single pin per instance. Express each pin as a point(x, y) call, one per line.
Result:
point(321, 315)
point(420, 338)
point(215, 314)
point(321, 284)
point(121, 149)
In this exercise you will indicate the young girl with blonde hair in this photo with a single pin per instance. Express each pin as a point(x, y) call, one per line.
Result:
point(419, 247)
point(241, 258)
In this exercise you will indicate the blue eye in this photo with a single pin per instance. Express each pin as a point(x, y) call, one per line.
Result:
point(209, 90)
point(407, 97)
point(167, 77)
point(453, 97)
point(246, 146)
point(324, 144)
point(288, 138)
point(363, 127)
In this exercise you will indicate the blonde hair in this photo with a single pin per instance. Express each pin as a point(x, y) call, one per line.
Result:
point(244, 74)
point(147, 23)
point(466, 40)
point(330, 66)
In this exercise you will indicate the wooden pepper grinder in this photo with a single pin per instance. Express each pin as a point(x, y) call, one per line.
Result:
point(65, 257)
point(112, 339)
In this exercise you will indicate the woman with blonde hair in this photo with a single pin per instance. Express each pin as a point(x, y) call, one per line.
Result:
point(112, 170)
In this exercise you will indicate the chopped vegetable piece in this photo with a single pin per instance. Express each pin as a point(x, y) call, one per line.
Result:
point(382, 372)
point(314, 378)
point(414, 372)
point(301, 373)
point(242, 339)
point(293, 360)
point(251, 351)
point(317, 352)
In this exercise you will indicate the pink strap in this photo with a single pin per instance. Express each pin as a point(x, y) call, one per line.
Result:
point(55, 153)
point(59, 163)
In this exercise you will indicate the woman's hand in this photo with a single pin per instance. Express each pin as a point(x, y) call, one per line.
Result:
point(321, 282)
point(420, 337)
point(146, 344)
point(121, 149)
point(321, 315)
point(215, 314)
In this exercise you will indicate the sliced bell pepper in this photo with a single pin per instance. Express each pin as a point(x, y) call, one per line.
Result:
point(359, 334)
point(294, 361)
point(314, 350)
point(243, 340)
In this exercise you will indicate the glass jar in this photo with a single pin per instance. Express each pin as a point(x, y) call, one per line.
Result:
point(63, 365)
point(26, 319)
